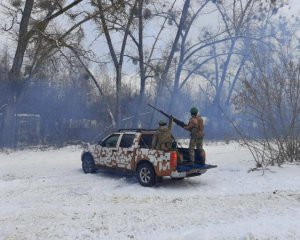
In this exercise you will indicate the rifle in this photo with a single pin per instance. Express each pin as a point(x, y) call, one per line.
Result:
point(175, 120)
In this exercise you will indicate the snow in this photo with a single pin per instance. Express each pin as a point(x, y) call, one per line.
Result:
point(45, 195)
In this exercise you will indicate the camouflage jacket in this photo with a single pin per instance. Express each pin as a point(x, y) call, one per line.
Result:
point(162, 139)
point(196, 127)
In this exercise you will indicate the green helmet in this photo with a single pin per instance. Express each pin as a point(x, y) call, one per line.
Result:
point(194, 110)
point(162, 123)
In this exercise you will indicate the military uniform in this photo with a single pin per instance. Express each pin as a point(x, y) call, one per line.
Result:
point(162, 139)
point(196, 128)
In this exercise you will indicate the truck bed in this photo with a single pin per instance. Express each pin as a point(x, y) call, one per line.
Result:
point(186, 157)
point(193, 169)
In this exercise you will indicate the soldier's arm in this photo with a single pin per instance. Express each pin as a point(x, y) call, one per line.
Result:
point(191, 124)
point(188, 127)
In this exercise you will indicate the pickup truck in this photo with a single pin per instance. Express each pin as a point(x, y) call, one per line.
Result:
point(130, 150)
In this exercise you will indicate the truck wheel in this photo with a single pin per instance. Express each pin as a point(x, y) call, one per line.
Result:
point(146, 175)
point(88, 164)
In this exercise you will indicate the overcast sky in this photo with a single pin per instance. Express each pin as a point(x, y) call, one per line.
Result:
point(294, 9)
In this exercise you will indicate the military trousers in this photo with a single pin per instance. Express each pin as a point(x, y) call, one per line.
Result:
point(195, 142)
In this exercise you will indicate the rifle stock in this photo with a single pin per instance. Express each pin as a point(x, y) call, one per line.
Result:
point(175, 120)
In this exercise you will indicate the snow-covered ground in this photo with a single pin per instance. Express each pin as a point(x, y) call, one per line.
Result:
point(45, 195)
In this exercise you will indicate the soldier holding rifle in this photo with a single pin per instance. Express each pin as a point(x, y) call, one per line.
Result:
point(196, 128)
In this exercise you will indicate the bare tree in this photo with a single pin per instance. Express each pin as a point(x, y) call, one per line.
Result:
point(110, 21)
point(244, 22)
point(26, 32)
point(171, 54)
point(185, 50)
point(224, 54)
point(148, 55)
point(271, 99)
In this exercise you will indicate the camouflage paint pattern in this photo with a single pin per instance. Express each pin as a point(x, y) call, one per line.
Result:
point(129, 158)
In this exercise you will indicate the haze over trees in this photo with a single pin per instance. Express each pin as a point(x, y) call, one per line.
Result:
point(84, 68)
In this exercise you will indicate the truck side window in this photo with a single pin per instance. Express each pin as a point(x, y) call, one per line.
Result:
point(146, 141)
point(127, 140)
point(111, 141)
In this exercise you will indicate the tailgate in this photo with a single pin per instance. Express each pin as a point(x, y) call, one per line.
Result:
point(195, 167)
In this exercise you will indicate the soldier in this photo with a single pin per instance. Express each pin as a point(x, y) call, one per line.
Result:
point(196, 128)
point(162, 139)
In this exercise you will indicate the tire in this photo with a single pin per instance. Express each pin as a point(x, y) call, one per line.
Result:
point(146, 175)
point(88, 164)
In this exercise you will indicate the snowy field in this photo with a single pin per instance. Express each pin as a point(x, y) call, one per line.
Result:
point(45, 195)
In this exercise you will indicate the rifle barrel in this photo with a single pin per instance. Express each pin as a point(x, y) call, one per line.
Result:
point(177, 121)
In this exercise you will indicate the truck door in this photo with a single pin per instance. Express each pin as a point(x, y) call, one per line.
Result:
point(108, 150)
point(125, 152)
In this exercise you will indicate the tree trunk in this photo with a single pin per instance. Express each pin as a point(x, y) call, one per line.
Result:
point(22, 42)
point(175, 92)
point(118, 96)
point(217, 99)
point(141, 65)
point(118, 63)
point(8, 138)
point(9, 126)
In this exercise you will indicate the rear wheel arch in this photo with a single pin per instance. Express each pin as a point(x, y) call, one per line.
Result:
point(86, 154)
point(144, 161)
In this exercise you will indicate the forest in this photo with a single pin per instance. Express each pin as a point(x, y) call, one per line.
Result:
point(75, 71)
